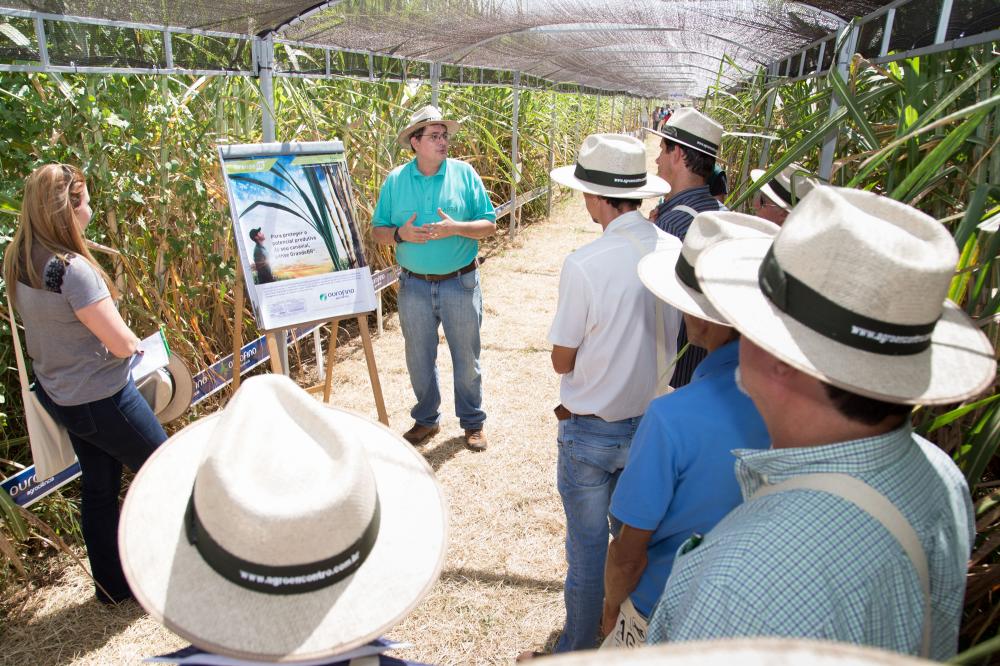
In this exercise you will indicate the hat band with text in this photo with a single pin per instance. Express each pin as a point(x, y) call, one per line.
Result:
point(288, 579)
point(692, 140)
point(608, 179)
point(810, 308)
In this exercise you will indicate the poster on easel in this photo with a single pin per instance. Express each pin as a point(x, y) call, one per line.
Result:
point(292, 206)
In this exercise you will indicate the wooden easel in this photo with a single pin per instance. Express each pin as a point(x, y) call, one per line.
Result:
point(327, 385)
point(272, 348)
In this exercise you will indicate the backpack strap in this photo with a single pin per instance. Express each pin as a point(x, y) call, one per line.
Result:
point(881, 509)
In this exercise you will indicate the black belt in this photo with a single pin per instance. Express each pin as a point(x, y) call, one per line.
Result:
point(447, 276)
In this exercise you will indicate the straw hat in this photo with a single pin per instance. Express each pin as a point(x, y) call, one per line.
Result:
point(670, 273)
point(788, 186)
point(689, 127)
point(742, 651)
point(855, 296)
point(323, 529)
point(428, 115)
point(611, 165)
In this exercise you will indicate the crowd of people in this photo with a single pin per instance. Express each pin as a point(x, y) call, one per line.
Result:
point(735, 455)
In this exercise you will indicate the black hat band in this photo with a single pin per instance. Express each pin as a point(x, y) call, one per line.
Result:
point(810, 308)
point(282, 580)
point(692, 140)
point(608, 179)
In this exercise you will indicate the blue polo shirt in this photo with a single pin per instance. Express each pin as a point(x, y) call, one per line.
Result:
point(456, 189)
point(680, 477)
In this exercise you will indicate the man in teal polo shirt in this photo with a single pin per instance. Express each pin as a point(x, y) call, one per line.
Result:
point(435, 210)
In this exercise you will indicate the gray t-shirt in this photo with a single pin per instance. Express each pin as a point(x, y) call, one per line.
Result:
point(69, 361)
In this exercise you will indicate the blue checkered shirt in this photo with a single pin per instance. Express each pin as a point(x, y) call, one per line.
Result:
point(807, 564)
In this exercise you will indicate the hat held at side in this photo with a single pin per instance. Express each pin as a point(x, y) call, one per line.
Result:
point(282, 529)
point(611, 165)
point(853, 292)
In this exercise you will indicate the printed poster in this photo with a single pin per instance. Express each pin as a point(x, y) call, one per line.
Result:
point(294, 219)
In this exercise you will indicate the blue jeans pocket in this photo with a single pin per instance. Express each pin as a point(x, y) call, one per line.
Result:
point(78, 419)
point(469, 281)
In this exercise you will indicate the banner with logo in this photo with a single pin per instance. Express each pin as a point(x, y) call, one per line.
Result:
point(293, 212)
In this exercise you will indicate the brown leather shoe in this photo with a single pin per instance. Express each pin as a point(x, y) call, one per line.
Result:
point(419, 434)
point(475, 440)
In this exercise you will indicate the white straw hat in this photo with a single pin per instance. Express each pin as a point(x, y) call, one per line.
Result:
point(611, 165)
point(323, 529)
point(743, 651)
point(788, 186)
point(670, 273)
point(428, 115)
point(692, 128)
point(855, 296)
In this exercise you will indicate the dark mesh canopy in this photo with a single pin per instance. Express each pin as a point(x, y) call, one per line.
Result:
point(645, 47)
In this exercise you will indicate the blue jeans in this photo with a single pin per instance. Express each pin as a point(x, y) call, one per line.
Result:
point(456, 304)
point(106, 434)
point(592, 453)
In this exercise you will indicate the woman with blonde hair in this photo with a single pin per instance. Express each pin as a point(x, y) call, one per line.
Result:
point(80, 349)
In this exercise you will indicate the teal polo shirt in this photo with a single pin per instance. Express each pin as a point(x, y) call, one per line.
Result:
point(456, 189)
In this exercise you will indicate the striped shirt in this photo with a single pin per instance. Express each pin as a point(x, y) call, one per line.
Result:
point(675, 221)
point(807, 564)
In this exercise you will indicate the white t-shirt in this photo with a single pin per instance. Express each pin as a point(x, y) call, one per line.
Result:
point(607, 314)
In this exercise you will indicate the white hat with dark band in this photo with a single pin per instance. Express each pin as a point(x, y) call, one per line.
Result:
point(689, 127)
point(612, 165)
point(281, 529)
point(788, 186)
point(853, 292)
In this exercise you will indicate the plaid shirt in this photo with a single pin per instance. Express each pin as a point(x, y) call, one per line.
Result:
point(808, 564)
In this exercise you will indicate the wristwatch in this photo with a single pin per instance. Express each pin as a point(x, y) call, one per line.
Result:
point(396, 237)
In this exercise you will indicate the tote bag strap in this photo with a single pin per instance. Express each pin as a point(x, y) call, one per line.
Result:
point(662, 380)
point(18, 354)
point(881, 509)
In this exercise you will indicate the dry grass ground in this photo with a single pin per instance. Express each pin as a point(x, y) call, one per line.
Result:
point(501, 589)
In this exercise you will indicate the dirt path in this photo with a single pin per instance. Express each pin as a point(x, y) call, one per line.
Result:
point(501, 589)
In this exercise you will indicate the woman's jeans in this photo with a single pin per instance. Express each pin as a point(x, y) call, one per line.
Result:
point(106, 434)
point(592, 453)
point(457, 305)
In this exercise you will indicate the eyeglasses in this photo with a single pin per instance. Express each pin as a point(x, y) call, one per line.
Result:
point(762, 201)
point(436, 136)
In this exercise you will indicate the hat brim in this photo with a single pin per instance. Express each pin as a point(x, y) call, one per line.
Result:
point(654, 187)
point(958, 364)
point(674, 139)
point(175, 585)
point(404, 137)
point(183, 386)
point(765, 189)
point(657, 272)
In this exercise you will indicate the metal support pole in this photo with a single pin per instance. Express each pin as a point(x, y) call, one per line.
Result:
point(168, 49)
point(552, 150)
point(43, 43)
point(265, 73)
point(802, 63)
point(890, 18)
point(830, 143)
point(514, 175)
point(943, 19)
point(435, 82)
point(819, 58)
point(597, 114)
point(765, 153)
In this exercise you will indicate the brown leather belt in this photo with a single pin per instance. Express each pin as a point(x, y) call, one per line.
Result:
point(563, 414)
point(447, 276)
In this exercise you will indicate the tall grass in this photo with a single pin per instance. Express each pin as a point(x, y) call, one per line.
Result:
point(147, 145)
point(924, 131)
